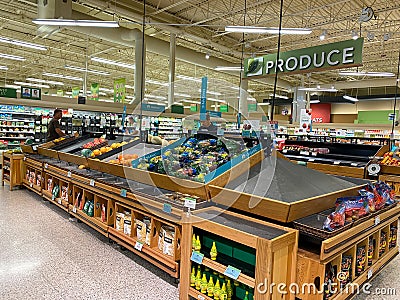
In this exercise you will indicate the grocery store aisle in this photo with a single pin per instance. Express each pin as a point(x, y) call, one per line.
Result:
point(43, 255)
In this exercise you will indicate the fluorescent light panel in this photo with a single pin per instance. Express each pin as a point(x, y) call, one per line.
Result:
point(314, 101)
point(223, 68)
point(79, 23)
point(350, 98)
point(263, 104)
point(156, 97)
point(32, 84)
point(372, 74)
point(111, 62)
point(13, 57)
point(5, 68)
point(88, 70)
point(212, 93)
point(156, 82)
point(182, 95)
point(45, 81)
point(106, 90)
point(216, 100)
point(188, 78)
point(270, 30)
point(318, 89)
point(279, 96)
point(22, 43)
point(63, 76)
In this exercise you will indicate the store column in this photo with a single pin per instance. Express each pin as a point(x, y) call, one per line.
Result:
point(243, 109)
point(299, 103)
point(171, 76)
point(140, 63)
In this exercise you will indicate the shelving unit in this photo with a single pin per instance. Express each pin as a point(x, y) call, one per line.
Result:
point(12, 169)
point(261, 251)
point(14, 125)
point(168, 128)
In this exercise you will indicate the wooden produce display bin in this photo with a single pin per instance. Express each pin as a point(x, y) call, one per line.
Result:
point(321, 276)
point(349, 160)
point(12, 169)
point(152, 238)
point(33, 175)
point(264, 253)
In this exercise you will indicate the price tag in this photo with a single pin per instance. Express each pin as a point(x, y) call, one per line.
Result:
point(59, 201)
point(232, 272)
point(354, 164)
point(91, 183)
point(69, 174)
point(24, 158)
point(377, 220)
point(167, 208)
point(34, 148)
point(138, 246)
point(314, 153)
point(31, 185)
point(284, 151)
point(190, 203)
point(53, 197)
point(337, 162)
point(74, 209)
point(304, 153)
point(46, 165)
point(200, 297)
point(370, 273)
point(311, 159)
point(123, 193)
point(197, 257)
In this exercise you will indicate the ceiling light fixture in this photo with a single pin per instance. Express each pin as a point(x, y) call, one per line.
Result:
point(350, 98)
point(323, 35)
point(106, 90)
point(156, 97)
point(182, 95)
point(13, 57)
point(314, 101)
point(79, 23)
point(22, 43)
point(151, 81)
point(111, 62)
point(318, 89)
point(207, 55)
point(279, 96)
point(32, 84)
point(371, 74)
point(129, 86)
point(63, 76)
point(223, 68)
point(263, 103)
point(212, 93)
point(188, 78)
point(88, 70)
point(216, 100)
point(45, 81)
point(5, 68)
point(354, 35)
point(270, 30)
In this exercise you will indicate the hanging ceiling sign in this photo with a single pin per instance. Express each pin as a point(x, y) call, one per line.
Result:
point(344, 54)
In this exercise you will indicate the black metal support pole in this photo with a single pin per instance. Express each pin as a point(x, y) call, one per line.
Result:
point(143, 63)
point(395, 100)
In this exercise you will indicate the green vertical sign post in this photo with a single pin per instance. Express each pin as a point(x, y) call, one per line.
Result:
point(203, 98)
point(119, 90)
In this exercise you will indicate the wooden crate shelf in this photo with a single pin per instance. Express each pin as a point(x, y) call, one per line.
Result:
point(197, 295)
point(274, 249)
point(12, 169)
point(90, 221)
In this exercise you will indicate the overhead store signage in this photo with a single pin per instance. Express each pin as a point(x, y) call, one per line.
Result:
point(252, 107)
point(193, 107)
point(223, 108)
point(321, 113)
point(153, 107)
point(119, 90)
point(8, 93)
point(177, 109)
point(31, 93)
point(203, 98)
point(215, 114)
point(95, 89)
point(344, 54)
point(75, 92)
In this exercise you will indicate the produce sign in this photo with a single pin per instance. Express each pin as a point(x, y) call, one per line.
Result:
point(344, 54)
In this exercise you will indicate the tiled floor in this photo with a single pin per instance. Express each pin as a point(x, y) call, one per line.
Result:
point(43, 255)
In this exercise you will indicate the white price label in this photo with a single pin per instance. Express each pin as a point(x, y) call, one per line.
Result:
point(138, 246)
point(46, 165)
point(370, 273)
point(311, 159)
point(314, 153)
point(200, 297)
point(69, 174)
point(377, 220)
point(304, 153)
point(337, 162)
point(31, 185)
point(284, 151)
point(190, 203)
point(91, 183)
point(34, 148)
point(354, 164)
point(74, 209)
point(59, 201)
point(24, 158)
point(53, 198)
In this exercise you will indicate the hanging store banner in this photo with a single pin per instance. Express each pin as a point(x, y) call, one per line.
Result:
point(31, 93)
point(343, 54)
point(321, 113)
point(251, 107)
point(223, 108)
point(305, 120)
point(193, 107)
point(60, 93)
point(94, 89)
point(119, 90)
point(75, 92)
point(8, 92)
point(203, 98)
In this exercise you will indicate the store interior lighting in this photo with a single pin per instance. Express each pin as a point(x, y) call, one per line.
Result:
point(226, 68)
point(12, 57)
point(314, 101)
point(112, 62)
point(370, 74)
point(354, 35)
point(279, 96)
point(207, 56)
point(5, 68)
point(269, 30)
point(156, 82)
point(63, 76)
point(318, 89)
point(79, 23)
point(106, 90)
point(350, 98)
point(32, 84)
point(45, 81)
point(22, 43)
point(323, 35)
point(188, 78)
point(87, 70)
